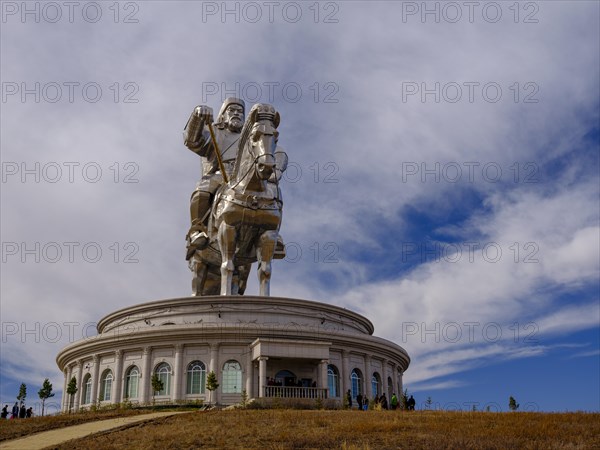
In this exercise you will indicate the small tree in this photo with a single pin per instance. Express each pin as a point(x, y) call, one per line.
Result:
point(428, 402)
point(22, 394)
point(45, 392)
point(512, 404)
point(71, 391)
point(404, 400)
point(157, 386)
point(244, 402)
point(211, 383)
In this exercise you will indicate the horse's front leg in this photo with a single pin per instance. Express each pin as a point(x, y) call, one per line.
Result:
point(226, 239)
point(264, 253)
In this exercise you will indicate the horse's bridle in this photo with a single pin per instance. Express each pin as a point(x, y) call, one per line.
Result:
point(255, 157)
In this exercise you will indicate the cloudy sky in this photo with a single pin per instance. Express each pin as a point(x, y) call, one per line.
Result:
point(443, 179)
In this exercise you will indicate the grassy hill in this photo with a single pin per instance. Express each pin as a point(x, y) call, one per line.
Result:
point(275, 429)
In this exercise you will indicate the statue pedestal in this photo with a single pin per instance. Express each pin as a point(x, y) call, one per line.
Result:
point(267, 346)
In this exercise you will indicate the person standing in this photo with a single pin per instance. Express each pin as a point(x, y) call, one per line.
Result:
point(411, 403)
point(22, 411)
point(359, 401)
point(4, 414)
point(15, 411)
point(394, 401)
point(383, 401)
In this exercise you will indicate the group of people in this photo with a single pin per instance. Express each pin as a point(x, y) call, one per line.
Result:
point(363, 402)
point(17, 412)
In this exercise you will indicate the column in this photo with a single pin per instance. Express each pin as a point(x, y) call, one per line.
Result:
point(64, 394)
point(249, 374)
point(79, 377)
point(384, 376)
point(214, 367)
point(322, 382)
point(177, 375)
point(95, 376)
point(345, 372)
point(116, 394)
point(262, 375)
point(368, 375)
point(400, 384)
point(146, 375)
point(395, 379)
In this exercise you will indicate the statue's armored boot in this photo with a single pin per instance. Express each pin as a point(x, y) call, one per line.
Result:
point(279, 248)
point(196, 240)
point(197, 237)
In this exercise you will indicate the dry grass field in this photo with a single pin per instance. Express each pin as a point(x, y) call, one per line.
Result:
point(295, 429)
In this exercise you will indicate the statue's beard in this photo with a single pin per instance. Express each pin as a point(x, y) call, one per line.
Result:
point(235, 124)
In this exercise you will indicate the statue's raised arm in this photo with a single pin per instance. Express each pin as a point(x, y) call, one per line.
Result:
point(194, 133)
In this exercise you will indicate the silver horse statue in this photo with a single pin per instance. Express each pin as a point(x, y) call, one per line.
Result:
point(246, 213)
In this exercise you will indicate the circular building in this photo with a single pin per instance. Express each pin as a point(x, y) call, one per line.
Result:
point(265, 346)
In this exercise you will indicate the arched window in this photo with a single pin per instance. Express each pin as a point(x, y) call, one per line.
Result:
point(131, 382)
point(333, 380)
point(196, 377)
point(232, 377)
point(163, 372)
point(356, 379)
point(86, 395)
point(375, 385)
point(106, 385)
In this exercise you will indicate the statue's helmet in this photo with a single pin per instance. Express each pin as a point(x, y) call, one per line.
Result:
point(230, 101)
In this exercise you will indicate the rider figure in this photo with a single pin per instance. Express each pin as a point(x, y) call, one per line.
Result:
point(197, 138)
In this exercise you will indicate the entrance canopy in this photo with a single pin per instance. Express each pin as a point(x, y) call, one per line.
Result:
point(288, 348)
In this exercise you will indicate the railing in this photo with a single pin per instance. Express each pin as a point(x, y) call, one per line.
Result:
point(295, 392)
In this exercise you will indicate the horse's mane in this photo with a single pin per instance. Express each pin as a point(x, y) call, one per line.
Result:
point(258, 112)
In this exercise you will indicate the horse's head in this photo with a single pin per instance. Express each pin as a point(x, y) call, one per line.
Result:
point(259, 138)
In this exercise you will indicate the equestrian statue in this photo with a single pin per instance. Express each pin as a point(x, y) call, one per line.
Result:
point(236, 207)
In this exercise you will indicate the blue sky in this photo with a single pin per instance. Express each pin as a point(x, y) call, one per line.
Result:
point(444, 177)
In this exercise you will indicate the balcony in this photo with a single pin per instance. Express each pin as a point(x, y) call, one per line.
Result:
point(295, 392)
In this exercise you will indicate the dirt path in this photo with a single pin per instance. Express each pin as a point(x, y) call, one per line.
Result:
point(54, 437)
